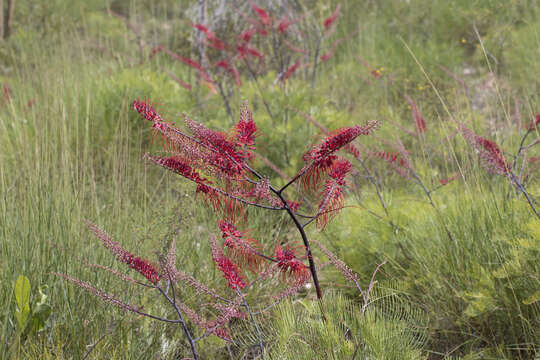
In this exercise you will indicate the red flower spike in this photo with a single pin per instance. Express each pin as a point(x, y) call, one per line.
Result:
point(314, 175)
point(534, 123)
point(230, 271)
point(419, 121)
point(246, 128)
point(284, 24)
point(244, 249)
point(338, 140)
point(245, 50)
point(180, 167)
point(225, 157)
point(289, 264)
point(140, 265)
point(246, 35)
point(291, 70)
point(339, 170)
point(332, 18)
point(320, 156)
point(263, 14)
point(146, 110)
point(332, 201)
point(491, 155)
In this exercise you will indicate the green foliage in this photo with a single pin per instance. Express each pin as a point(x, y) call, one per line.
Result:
point(391, 328)
point(75, 154)
point(31, 316)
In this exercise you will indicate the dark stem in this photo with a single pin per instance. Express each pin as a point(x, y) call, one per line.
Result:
point(225, 101)
point(306, 245)
point(181, 320)
point(254, 77)
point(524, 192)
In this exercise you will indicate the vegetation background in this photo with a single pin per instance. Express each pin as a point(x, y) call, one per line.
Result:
point(71, 149)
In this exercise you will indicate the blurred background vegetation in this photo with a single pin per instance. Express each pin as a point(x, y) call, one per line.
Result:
point(71, 149)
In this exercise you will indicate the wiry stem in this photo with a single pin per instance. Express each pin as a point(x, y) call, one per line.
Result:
point(181, 320)
point(521, 188)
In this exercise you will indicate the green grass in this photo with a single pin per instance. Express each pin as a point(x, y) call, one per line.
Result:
point(76, 154)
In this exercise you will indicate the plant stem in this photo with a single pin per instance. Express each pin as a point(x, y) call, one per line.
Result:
point(306, 245)
point(181, 319)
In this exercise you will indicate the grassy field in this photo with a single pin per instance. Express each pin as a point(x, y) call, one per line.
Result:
point(462, 277)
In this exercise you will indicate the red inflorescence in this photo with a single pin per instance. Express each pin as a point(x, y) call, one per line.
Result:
point(263, 15)
point(492, 156)
point(245, 50)
point(339, 139)
point(243, 248)
point(247, 34)
point(289, 264)
point(174, 164)
point(293, 205)
point(230, 272)
point(231, 69)
point(534, 123)
point(246, 128)
point(332, 18)
point(143, 267)
point(339, 170)
point(284, 25)
point(146, 110)
point(291, 70)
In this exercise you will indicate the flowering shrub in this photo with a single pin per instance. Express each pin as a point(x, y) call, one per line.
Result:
point(220, 165)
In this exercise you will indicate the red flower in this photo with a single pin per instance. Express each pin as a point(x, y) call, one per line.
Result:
point(284, 25)
point(532, 125)
point(246, 128)
point(336, 141)
point(146, 110)
point(263, 14)
point(291, 70)
point(330, 20)
point(289, 264)
point(247, 34)
point(245, 50)
point(244, 249)
point(230, 271)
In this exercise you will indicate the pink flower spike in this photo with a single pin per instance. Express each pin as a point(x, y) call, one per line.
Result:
point(263, 14)
point(289, 264)
point(146, 110)
point(419, 121)
point(332, 18)
point(291, 70)
point(534, 123)
point(230, 271)
point(247, 34)
point(246, 128)
point(284, 24)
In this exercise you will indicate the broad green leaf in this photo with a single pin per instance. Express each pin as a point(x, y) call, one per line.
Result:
point(22, 292)
point(22, 316)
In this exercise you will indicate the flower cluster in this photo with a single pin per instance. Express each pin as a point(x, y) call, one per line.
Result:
point(289, 264)
point(336, 141)
point(230, 271)
point(140, 265)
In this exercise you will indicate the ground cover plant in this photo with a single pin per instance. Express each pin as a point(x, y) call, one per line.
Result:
point(445, 190)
